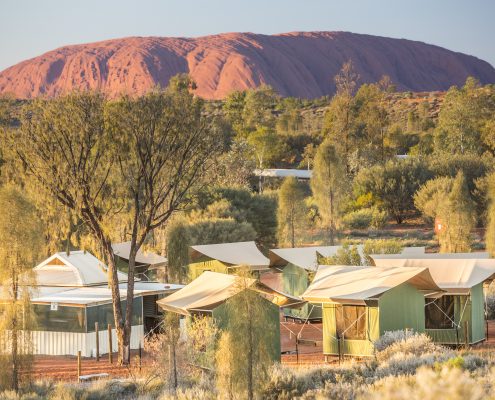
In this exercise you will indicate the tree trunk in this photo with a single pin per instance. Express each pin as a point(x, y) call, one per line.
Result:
point(113, 282)
point(250, 356)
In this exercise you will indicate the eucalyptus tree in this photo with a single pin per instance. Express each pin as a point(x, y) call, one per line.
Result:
point(135, 160)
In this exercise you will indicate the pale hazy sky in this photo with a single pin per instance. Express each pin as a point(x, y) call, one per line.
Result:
point(31, 27)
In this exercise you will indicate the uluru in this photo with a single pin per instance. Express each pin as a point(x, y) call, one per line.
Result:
point(300, 64)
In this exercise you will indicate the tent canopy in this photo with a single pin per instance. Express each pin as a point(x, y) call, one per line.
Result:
point(355, 285)
point(142, 257)
point(78, 268)
point(304, 257)
point(238, 253)
point(455, 275)
point(211, 289)
point(95, 295)
point(307, 257)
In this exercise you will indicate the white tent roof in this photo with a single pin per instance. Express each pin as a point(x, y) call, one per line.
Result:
point(211, 289)
point(94, 295)
point(355, 285)
point(456, 275)
point(304, 257)
point(142, 257)
point(307, 257)
point(79, 268)
point(238, 253)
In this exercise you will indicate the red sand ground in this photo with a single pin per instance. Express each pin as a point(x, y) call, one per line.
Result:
point(310, 352)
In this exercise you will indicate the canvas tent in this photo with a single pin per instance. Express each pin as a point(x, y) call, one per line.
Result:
point(72, 294)
point(461, 276)
point(208, 293)
point(225, 258)
point(361, 303)
point(148, 264)
point(296, 267)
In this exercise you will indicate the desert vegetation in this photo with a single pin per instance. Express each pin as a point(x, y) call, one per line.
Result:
point(167, 170)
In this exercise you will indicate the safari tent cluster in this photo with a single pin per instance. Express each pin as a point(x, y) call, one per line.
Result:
point(72, 295)
point(296, 268)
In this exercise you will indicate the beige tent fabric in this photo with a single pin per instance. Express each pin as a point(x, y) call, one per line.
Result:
point(239, 253)
point(142, 257)
point(355, 285)
point(454, 275)
point(307, 257)
point(211, 289)
point(79, 268)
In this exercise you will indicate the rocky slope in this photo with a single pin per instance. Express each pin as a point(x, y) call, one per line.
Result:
point(300, 64)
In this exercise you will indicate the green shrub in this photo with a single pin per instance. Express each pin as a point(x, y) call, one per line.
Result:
point(360, 219)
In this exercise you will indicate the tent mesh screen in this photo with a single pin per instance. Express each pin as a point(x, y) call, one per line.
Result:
point(351, 322)
point(440, 314)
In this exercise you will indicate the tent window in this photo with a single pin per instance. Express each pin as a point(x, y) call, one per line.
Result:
point(351, 322)
point(439, 314)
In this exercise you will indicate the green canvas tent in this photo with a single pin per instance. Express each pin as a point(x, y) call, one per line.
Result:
point(226, 258)
point(295, 269)
point(208, 294)
point(461, 276)
point(361, 303)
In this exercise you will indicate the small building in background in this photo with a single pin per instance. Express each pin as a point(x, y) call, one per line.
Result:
point(226, 258)
point(72, 295)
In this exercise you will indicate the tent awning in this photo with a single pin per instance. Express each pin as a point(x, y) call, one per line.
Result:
point(455, 275)
point(123, 250)
point(238, 253)
point(211, 289)
point(356, 285)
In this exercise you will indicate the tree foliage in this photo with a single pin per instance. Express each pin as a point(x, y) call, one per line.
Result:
point(244, 354)
point(19, 250)
point(135, 160)
point(291, 214)
point(328, 185)
point(393, 184)
point(458, 218)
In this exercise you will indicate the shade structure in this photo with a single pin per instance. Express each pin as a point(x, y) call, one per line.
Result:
point(454, 273)
point(77, 268)
point(356, 285)
point(212, 289)
point(238, 253)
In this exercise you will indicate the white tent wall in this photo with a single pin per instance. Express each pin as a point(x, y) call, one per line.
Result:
point(69, 343)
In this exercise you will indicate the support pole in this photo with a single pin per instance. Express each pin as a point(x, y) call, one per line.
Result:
point(78, 365)
point(466, 334)
point(297, 351)
point(97, 342)
point(140, 356)
point(110, 347)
